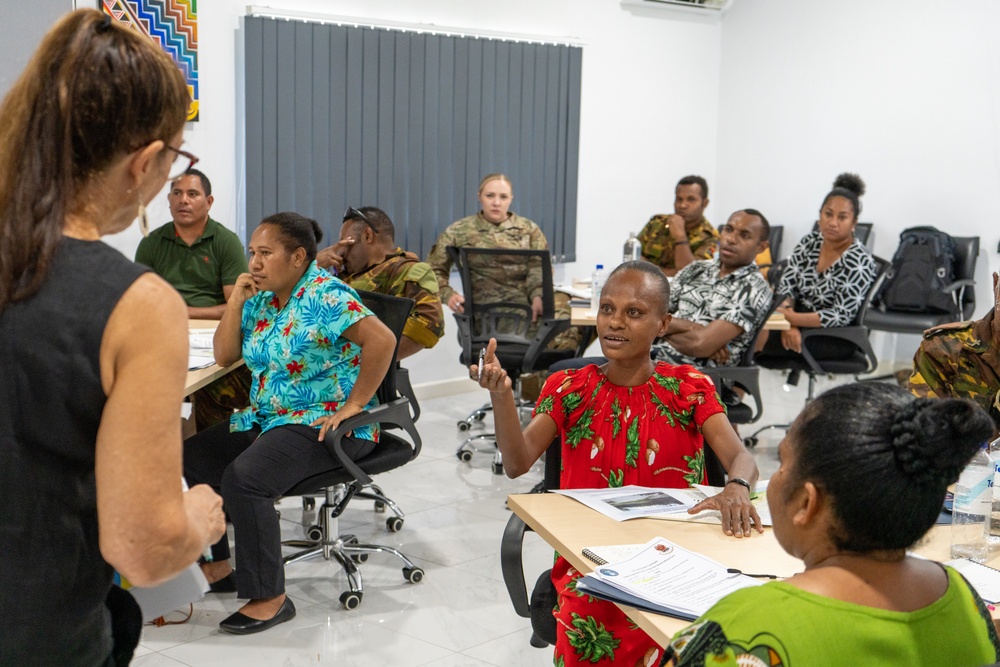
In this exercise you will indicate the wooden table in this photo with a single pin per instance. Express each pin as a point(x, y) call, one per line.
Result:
point(204, 376)
point(582, 316)
point(569, 527)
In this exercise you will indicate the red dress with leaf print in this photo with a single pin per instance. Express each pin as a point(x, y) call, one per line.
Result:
point(647, 435)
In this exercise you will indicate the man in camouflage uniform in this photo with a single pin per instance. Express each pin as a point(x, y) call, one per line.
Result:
point(366, 258)
point(499, 280)
point(674, 241)
point(961, 360)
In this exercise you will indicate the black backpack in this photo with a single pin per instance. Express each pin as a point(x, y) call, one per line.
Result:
point(924, 264)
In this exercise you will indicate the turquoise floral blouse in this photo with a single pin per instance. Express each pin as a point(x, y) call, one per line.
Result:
point(303, 368)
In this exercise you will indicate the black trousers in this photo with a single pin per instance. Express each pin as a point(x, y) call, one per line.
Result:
point(250, 470)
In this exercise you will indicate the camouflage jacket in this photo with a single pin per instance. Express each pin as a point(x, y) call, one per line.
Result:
point(499, 281)
point(658, 247)
point(959, 360)
point(403, 274)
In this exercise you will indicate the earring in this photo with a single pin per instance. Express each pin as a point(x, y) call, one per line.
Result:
point(143, 219)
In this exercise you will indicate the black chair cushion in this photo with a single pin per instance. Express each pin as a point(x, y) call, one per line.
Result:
point(856, 363)
point(391, 452)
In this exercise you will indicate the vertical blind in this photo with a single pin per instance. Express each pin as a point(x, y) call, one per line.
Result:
point(340, 116)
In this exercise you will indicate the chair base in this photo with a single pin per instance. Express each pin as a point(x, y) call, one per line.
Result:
point(347, 549)
point(469, 446)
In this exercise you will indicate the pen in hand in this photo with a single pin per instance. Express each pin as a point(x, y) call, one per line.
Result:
point(482, 355)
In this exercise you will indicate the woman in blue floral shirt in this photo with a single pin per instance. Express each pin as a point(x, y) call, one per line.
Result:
point(316, 358)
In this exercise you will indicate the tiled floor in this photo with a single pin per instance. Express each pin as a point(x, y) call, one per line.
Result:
point(459, 615)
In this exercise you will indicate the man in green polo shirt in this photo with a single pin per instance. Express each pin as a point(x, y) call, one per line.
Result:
point(202, 260)
point(198, 256)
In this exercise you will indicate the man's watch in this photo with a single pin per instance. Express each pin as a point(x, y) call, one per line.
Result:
point(741, 482)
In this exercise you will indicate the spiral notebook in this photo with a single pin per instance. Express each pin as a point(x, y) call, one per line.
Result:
point(612, 553)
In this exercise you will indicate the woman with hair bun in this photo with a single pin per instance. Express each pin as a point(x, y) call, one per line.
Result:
point(850, 508)
point(316, 358)
point(827, 277)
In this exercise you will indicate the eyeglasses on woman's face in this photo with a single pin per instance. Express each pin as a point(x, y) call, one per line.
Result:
point(180, 166)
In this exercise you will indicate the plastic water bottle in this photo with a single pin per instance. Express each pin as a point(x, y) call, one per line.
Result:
point(970, 519)
point(633, 249)
point(995, 484)
point(596, 285)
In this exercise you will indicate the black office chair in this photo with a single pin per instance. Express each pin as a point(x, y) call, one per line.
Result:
point(521, 345)
point(861, 358)
point(354, 480)
point(774, 238)
point(745, 375)
point(963, 293)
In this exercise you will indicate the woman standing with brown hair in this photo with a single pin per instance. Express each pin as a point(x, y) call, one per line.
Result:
point(90, 447)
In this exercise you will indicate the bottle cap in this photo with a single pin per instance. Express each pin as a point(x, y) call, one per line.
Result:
point(600, 266)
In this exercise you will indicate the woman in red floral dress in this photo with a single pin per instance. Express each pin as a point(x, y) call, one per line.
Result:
point(630, 421)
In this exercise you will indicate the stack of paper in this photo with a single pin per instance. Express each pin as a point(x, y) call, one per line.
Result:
point(200, 354)
point(665, 579)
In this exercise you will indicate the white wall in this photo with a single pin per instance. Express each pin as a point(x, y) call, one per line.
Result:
point(903, 92)
point(649, 111)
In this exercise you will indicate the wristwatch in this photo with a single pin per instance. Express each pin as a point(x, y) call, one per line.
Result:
point(741, 482)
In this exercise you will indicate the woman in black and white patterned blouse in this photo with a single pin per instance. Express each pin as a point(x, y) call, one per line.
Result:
point(828, 275)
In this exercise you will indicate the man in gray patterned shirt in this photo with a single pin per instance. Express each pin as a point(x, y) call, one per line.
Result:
point(717, 304)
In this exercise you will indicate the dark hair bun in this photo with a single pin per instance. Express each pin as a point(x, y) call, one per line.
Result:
point(317, 231)
point(934, 439)
point(850, 182)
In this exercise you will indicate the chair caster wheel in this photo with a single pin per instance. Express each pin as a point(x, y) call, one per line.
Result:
point(350, 600)
point(464, 426)
point(359, 558)
point(750, 442)
point(379, 507)
point(497, 468)
point(394, 524)
point(315, 533)
point(465, 455)
point(308, 503)
point(414, 575)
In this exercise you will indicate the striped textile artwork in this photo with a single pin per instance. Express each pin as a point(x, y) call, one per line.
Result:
point(174, 26)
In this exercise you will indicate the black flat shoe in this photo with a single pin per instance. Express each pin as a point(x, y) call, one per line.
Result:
point(240, 624)
point(225, 585)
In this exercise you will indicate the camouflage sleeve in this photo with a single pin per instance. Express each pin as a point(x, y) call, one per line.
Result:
point(440, 263)
point(933, 370)
point(655, 238)
point(536, 241)
point(707, 245)
point(425, 325)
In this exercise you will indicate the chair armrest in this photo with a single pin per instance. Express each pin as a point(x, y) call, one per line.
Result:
point(464, 323)
point(512, 566)
point(405, 390)
point(858, 335)
point(395, 412)
point(745, 377)
point(547, 330)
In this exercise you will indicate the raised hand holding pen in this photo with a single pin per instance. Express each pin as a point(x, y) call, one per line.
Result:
point(489, 373)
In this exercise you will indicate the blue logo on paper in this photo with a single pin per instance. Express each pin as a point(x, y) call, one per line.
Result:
point(608, 572)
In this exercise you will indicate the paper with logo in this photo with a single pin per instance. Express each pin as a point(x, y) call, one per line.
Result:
point(666, 579)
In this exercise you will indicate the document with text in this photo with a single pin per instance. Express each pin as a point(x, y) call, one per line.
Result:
point(666, 579)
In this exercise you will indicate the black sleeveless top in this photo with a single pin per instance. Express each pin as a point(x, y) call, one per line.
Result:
point(53, 580)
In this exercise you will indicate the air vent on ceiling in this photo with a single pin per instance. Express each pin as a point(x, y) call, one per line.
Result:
point(688, 5)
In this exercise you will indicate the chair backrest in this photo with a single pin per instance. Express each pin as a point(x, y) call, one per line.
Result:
point(966, 256)
point(862, 232)
point(774, 242)
point(392, 311)
point(496, 283)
